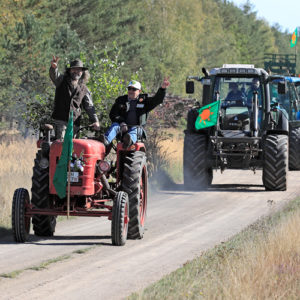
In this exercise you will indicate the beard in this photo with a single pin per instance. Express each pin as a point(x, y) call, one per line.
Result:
point(75, 76)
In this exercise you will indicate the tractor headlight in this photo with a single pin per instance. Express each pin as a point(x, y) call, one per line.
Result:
point(104, 166)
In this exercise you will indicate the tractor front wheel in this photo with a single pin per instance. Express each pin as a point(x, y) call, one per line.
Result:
point(120, 218)
point(197, 173)
point(20, 222)
point(275, 167)
point(134, 183)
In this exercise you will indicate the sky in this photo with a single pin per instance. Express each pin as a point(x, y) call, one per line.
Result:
point(284, 12)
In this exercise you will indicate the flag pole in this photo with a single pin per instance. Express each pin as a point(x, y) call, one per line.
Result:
point(69, 173)
point(69, 188)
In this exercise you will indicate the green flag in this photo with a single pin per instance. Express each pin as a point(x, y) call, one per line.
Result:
point(61, 173)
point(294, 38)
point(207, 115)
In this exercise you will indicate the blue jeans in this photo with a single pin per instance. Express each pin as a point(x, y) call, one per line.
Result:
point(114, 129)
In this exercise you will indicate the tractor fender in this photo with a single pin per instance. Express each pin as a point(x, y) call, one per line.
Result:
point(283, 122)
point(277, 131)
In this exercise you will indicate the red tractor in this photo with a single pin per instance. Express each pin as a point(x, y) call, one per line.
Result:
point(98, 187)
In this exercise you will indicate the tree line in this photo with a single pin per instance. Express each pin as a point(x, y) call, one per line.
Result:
point(120, 40)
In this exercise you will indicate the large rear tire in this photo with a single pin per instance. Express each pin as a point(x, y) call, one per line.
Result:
point(42, 225)
point(294, 149)
point(196, 170)
point(120, 217)
point(20, 223)
point(134, 183)
point(275, 167)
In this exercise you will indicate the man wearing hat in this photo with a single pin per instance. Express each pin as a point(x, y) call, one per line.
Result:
point(71, 94)
point(129, 111)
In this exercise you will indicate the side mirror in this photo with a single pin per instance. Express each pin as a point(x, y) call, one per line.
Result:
point(189, 87)
point(282, 88)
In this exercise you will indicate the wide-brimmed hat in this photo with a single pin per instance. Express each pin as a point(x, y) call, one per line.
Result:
point(135, 84)
point(77, 63)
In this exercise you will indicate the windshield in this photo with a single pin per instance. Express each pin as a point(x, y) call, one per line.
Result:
point(282, 99)
point(288, 101)
point(236, 95)
point(237, 90)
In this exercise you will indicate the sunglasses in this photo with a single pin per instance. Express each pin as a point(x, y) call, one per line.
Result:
point(131, 89)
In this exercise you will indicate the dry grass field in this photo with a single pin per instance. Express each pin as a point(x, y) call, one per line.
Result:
point(16, 162)
point(173, 149)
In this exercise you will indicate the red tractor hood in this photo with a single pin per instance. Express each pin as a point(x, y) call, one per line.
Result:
point(90, 152)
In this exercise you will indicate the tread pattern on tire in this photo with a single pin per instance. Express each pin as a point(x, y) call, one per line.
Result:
point(20, 231)
point(134, 164)
point(118, 235)
point(294, 149)
point(42, 225)
point(275, 162)
point(197, 175)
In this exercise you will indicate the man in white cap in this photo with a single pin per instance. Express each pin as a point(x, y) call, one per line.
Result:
point(130, 111)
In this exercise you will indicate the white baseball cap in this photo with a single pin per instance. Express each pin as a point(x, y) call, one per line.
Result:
point(135, 84)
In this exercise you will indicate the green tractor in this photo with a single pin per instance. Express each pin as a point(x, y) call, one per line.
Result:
point(249, 132)
point(290, 102)
point(284, 66)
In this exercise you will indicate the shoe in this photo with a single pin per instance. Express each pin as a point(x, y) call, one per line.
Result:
point(127, 141)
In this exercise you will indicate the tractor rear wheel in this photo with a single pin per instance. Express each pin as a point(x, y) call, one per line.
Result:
point(20, 223)
point(134, 183)
point(275, 167)
point(294, 149)
point(42, 225)
point(196, 171)
point(120, 218)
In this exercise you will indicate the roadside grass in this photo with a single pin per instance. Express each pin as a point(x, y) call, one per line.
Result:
point(16, 162)
point(171, 151)
point(262, 262)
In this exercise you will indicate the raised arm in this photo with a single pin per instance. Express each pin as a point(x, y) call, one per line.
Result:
point(158, 98)
point(55, 76)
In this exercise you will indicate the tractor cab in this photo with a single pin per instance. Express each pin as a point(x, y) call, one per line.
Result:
point(236, 96)
point(289, 101)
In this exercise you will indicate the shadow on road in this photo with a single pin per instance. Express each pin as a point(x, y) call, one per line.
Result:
point(215, 188)
point(5, 232)
point(237, 188)
point(70, 240)
point(66, 240)
point(162, 182)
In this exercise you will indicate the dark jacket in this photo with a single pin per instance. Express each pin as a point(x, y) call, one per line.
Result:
point(68, 97)
point(144, 105)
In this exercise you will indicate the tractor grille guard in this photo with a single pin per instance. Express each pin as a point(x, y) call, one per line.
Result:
point(245, 148)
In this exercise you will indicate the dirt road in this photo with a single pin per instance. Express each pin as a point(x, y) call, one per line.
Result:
point(180, 225)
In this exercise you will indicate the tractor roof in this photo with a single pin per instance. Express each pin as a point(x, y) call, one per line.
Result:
point(277, 78)
point(238, 69)
point(292, 79)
